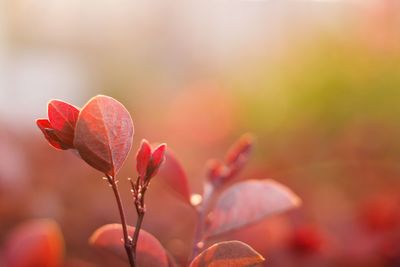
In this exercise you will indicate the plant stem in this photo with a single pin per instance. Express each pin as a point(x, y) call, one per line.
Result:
point(127, 240)
point(201, 213)
point(140, 191)
point(197, 234)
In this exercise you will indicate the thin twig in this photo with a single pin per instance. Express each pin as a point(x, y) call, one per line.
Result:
point(202, 209)
point(127, 240)
point(139, 190)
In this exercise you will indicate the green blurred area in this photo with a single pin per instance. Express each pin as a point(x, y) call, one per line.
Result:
point(328, 84)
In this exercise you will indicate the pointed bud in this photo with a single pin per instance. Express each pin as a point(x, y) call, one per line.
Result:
point(157, 158)
point(143, 157)
point(220, 173)
point(240, 150)
point(216, 170)
point(158, 155)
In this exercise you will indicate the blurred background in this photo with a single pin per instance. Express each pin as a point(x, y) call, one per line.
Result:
point(317, 82)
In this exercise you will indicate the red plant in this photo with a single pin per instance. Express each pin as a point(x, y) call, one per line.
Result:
point(40, 243)
point(102, 131)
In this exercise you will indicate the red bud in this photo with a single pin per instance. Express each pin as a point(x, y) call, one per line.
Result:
point(158, 155)
point(148, 161)
point(240, 150)
point(216, 170)
point(143, 157)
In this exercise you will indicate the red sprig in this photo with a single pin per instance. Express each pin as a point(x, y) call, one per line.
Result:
point(148, 161)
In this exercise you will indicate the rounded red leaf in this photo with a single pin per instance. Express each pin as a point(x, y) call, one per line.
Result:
point(103, 134)
point(35, 243)
point(149, 250)
point(247, 202)
point(229, 253)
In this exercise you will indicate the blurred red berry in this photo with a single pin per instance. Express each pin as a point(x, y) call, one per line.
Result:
point(306, 239)
point(390, 252)
point(381, 213)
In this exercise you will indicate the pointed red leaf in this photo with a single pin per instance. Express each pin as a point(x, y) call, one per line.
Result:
point(143, 157)
point(149, 251)
point(248, 202)
point(240, 150)
point(221, 173)
point(103, 134)
point(157, 158)
point(63, 117)
point(174, 176)
point(216, 170)
point(229, 253)
point(48, 132)
point(35, 243)
point(158, 155)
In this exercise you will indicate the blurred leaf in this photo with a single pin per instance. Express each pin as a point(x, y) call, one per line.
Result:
point(78, 263)
point(228, 254)
point(248, 202)
point(240, 150)
point(174, 176)
point(220, 173)
point(35, 243)
point(149, 251)
point(171, 261)
point(103, 134)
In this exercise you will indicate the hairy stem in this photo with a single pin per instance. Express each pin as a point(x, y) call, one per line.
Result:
point(127, 240)
point(140, 191)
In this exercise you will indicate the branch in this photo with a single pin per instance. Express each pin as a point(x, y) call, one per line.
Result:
point(139, 190)
point(198, 240)
point(127, 241)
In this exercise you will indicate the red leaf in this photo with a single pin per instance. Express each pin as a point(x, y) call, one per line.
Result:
point(306, 239)
point(220, 173)
point(63, 117)
point(143, 157)
point(248, 202)
point(158, 155)
point(240, 150)
point(149, 251)
point(174, 176)
point(216, 170)
point(229, 253)
point(48, 132)
point(35, 243)
point(103, 134)
point(157, 158)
